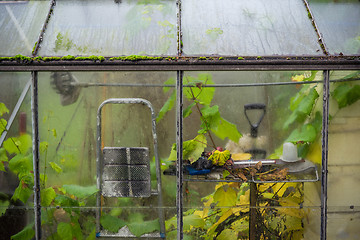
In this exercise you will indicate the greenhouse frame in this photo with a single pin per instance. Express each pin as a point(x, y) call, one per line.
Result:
point(179, 119)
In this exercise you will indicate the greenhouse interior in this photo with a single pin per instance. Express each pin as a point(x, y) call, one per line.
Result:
point(179, 119)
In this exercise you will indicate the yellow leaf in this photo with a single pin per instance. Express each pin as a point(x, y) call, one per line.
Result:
point(225, 216)
point(295, 212)
point(241, 156)
point(245, 199)
point(314, 153)
point(298, 78)
point(280, 188)
point(240, 225)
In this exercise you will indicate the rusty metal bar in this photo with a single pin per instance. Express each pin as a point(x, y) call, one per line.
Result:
point(41, 36)
point(179, 150)
point(182, 65)
point(324, 155)
point(316, 28)
point(36, 154)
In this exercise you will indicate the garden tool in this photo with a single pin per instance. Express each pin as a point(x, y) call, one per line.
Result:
point(64, 83)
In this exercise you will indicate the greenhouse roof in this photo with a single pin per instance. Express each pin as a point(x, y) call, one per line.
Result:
point(174, 34)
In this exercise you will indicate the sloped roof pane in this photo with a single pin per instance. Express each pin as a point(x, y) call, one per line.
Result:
point(339, 23)
point(111, 28)
point(248, 28)
point(20, 26)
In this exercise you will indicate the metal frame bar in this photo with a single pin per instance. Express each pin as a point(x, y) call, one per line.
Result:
point(316, 28)
point(179, 153)
point(36, 154)
point(186, 64)
point(324, 155)
point(15, 111)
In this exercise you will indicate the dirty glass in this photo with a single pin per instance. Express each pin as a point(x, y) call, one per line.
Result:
point(111, 28)
point(68, 107)
point(250, 115)
point(338, 22)
point(16, 162)
point(344, 161)
point(247, 28)
point(22, 22)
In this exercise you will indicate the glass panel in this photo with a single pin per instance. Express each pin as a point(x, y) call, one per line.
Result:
point(68, 107)
point(111, 28)
point(16, 163)
point(268, 109)
point(338, 22)
point(247, 28)
point(344, 161)
point(22, 22)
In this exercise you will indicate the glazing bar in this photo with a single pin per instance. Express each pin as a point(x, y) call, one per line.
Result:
point(42, 33)
point(324, 166)
point(179, 152)
point(15, 111)
point(36, 169)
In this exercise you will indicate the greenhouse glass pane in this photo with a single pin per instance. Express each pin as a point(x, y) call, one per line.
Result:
point(247, 28)
point(280, 106)
point(16, 162)
point(22, 23)
point(110, 28)
point(344, 162)
point(339, 23)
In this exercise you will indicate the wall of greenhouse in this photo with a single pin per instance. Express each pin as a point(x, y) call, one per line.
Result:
point(164, 119)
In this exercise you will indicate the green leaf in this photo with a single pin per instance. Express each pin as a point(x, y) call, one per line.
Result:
point(3, 206)
point(346, 95)
point(169, 104)
point(47, 196)
point(312, 76)
point(17, 145)
point(21, 165)
point(170, 81)
point(3, 124)
point(193, 149)
point(64, 231)
point(76, 228)
point(3, 109)
point(54, 132)
point(306, 134)
point(307, 104)
point(111, 223)
point(225, 198)
point(211, 117)
point(3, 158)
point(56, 167)
point(80, 191)
point(299, 96)
point(227, 234)
point(193, 220)
point(204, 95)
point(66, 203)
point(43, 147)
point(25, 234)
point(226, 129)
point(24, 190)
point(302, 106)
point(141, 228)
point(188, 110)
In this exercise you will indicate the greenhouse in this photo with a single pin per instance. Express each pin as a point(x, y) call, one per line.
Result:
point(179, 119)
